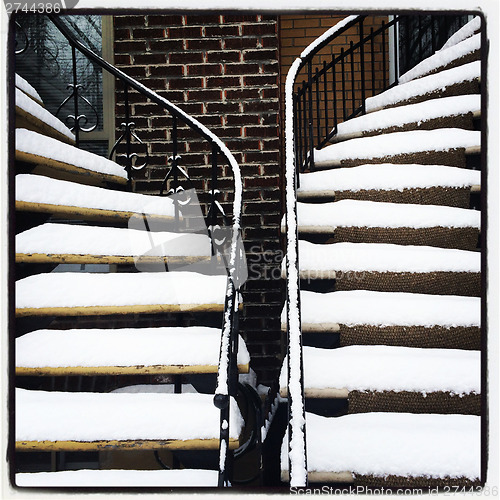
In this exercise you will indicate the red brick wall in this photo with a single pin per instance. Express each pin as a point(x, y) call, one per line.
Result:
point(224, 71)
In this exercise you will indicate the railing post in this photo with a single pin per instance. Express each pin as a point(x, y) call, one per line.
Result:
point(310, 123)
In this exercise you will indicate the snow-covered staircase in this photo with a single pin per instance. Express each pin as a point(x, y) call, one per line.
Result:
point(389, 265)
point(109, 358)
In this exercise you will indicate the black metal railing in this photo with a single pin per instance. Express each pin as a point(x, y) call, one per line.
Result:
point(224, 232)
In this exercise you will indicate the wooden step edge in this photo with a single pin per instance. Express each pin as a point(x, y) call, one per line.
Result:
point(59, 371)
point(96, 214)
point(473, 150)
point(314, 274)
point(32, 97)
point(38, 258)
point(316, 327)
point(119, 310)
point(312, 229)
point(324, 393)
point(167, 444)
point(476, 188)
point(64, 171)
point(30, 122)
point(323, 477)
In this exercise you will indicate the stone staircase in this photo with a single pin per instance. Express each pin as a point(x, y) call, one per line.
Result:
point(111, 360)
point(389, 264)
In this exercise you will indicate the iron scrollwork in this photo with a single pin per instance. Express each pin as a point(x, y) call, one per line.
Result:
point(127, 129)
point(78, 122)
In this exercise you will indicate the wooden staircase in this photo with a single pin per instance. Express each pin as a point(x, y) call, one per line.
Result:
point(389, 265)
point(88, 322)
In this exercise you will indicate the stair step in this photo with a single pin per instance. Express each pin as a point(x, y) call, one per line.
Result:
point(392, 268)
point(466, 31)
point(123, 351)
point(463, 52)
point(445, 112)
point(119, 478)
point(362, 317)
point(35, 193)
point(34, 117)
point(445, 146)
point(56, 159)
point(77, 294)
point(397, 448)
point(84, 421)
point(28, 89)
point(360, 221)
point(64, 243)
point(462, 80)
point(422, 184)
point(448, 376)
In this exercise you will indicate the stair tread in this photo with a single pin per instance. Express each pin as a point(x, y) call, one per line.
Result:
point(36, 148)
point(96, 293)
point(400, 444)
point(358, 368)
point(397, 143)
point(97, 418)
point(464, 32)
point(39, 193)
point(411, 113)
point(385, 257)
point(363, 307)
point(28, 89)
point(425, 85)
point(361, 213)
point(120, 478)
point(66, 242)
point(443, 57)
point(35, 114)
point(386, 177)
point(153, 350)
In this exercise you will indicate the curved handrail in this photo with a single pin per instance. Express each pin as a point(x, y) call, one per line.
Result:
point(296, 406)
point(229, 335)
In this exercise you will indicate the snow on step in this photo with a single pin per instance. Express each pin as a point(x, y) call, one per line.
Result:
point(96, 290)
point(40, 190)
point(400, 444)
point(443, 57)
point(360, 213)
point(27, 88)
point(32, 108)
point(425, 85)
point(397, 143)
point(464, 32)
point(387, 177)
point(412, 113)
point(358, 368)
point(33, 143)
point(175, 347)
point(385, 257)
point(84, 417)
point(65, 239)
point(116, 478)
point(362, 307)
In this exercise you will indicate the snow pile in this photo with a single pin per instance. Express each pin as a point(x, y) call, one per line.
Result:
point(411, 113)
point(117, 478)
point(464, 32)
point(402, 444)
point(37, 144)
point(89, 240)
point(27, 88)
point(385, 257)
point(189, 346)
point(397, 143)
point(443, 57)
point(40, 189)
point(387, 368)
point(363, 307)
point(84, 416)
point(360, 213)
point(386, 176)
point(119, 289)
point(31, 107)
point(425, 85)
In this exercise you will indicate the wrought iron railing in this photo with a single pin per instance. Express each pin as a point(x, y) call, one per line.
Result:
point(225, 241)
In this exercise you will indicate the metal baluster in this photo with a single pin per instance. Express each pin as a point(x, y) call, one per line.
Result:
point(174, 170)
point(306, 147)
point(396, 59)
point(325, 97)
point(318, 111)
point(342, 70)
point(372, 44)
point(76, 90)
point(128, 147)
point(353, 92)
point(296, 133)
point(334, 90)
point(310, 109)
point(362, 62)
point(299, 140)
point(384, 57)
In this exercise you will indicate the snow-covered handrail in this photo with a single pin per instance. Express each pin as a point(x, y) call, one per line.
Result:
point(229, 336)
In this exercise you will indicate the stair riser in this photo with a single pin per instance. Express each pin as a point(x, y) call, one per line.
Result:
point(468, 58)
